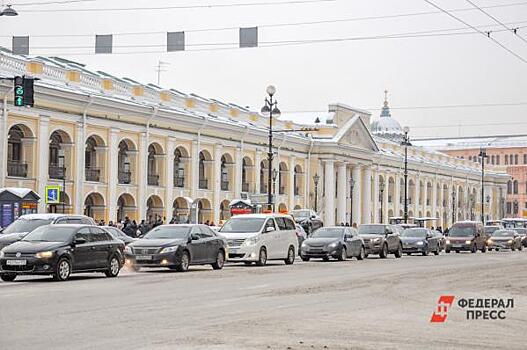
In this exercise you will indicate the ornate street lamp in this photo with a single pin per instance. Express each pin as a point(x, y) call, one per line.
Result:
point(406, 143)
point(275, 175)
point(8, 12)
point(316, 179)
point(62, 163)
point(382, 186)
point(453, 206)
point(270, 110)
point(483, 155)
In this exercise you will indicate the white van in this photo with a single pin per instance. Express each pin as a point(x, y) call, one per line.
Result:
point(260, 237)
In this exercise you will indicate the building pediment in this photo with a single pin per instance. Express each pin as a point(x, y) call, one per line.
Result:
point(355, 133)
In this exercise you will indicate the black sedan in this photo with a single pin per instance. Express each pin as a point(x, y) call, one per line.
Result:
point(60, 250)
point(177, 247)
point(420, 240)
point(337, 242)
point(308, 219)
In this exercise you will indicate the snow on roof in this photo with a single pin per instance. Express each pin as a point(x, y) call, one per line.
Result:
point(308, 118)
point(507, 141)
point(17, 191)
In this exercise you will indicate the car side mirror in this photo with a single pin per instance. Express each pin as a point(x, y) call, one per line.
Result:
point(79, 240)
point(194, 237)
point(313, 217)
point(428, 235)
point(269, 229)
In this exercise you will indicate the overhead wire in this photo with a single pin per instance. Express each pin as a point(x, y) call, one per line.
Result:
point(512, 30)
point(477, 30)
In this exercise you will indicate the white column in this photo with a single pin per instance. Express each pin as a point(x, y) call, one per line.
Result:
point(169, 178)
point(194, 169)
point(291, 194)
point(307, 182)
point(3, 144)
point(218, 149)
point(320, 198)
point(142, 180)
point(425, 197)
point(341, 194)
point(257, 160)
point(238, 163)
point(43, 161)
point(417, 195)
point(357, 194)
point(112, 166)
point(385, 195)
point(397, 199)
point(329, 183)
point(434, 200)
point(366, 196)
point(376, 196)
point(79, 167)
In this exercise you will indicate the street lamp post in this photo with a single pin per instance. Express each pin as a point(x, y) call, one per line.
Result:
point(63, 175)
point(406, 143)
point(316, 179)
point(270, 109)
point(8, 12)
point(483, 155)
point(275, 175)
point(352, 185)
point(381, 198)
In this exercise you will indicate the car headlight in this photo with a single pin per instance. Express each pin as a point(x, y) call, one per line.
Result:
point(489, 241)
point(333, 245)
point(468, 242)
point(128, 250)
point(1, 253)
point(44, 255)
point(169, 249)
point(447, 241)
point(251, 241)
point(510, 241)
point(376, 240)
point(420, 243)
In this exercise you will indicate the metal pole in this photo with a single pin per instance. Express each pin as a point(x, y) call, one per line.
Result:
point(270, 157)
point(483, 156)
point(316, 196)
point(382, 210)
point(453, 207)
point(351, 205)
point(63, 188)
point(406, 178)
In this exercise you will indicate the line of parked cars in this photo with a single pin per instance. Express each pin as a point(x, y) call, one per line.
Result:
point(59, 245)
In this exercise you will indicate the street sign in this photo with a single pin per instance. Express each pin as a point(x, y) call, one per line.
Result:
point(52, 194)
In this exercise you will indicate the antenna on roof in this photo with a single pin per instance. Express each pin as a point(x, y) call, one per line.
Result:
point(160, 68)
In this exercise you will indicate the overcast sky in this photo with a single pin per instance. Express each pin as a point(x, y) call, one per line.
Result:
point(466, 69)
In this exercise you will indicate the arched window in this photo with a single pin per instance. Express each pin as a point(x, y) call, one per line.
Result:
point(90, 159)
point(515, 159)
point(470, 158)
point(153, 176)
point(14, 144)
point(123, 164)
point(224, 174)
point(515, 187)
point(202, 176)
point(509, 187)
point(492, 159)
point(179, 169)
point(263, 170)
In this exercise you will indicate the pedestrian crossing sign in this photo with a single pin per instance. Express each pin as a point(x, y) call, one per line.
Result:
point(52, 194)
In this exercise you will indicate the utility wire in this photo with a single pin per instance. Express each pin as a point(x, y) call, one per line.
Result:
point(179, 7)
point(56, 2)
point(479, 31)
point(291, 24)
point(512, 30)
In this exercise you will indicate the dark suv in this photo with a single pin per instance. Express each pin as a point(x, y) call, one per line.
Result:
point(60, 250)
point(381, 239)
point(308, 219)
point(466, 236)
point(27, 223)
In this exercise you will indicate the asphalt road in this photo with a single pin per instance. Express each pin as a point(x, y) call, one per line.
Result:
point(370, 304)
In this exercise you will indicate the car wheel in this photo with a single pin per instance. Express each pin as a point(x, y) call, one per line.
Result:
point(220, 261)
point(262, 257)
point(114, 266)
point(8, 277)
point(436, 252)
point(426, 251)
point(362, 253)
point(408, 254)
point(520, 247)
point(457, 251)
point(343, 254)
point(399, 251)
point(290, 256)
point(490, 249)
point(248, 263)
point(184, 262)
point(484, 248)
point(447, 251)
point(513, 248)
point(474, 249)
point(62, 270)
point(384, 251)
point(304, 258)
point(325, 259)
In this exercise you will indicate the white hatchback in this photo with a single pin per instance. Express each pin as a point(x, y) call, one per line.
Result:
point(260, 237)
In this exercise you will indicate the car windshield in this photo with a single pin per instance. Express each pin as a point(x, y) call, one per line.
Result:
point(115, 232)
point(462, 231)
point(327, 232)
point(415, 232)
point(491, 229)
point(300, 214)
point(169, 232)
point(51, 233)
point(521, 231)
point(243, 225)
point(25, 225)
point(502, 233)
point(372, 229)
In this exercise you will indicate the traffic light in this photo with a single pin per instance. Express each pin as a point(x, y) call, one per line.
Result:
point(23, 91)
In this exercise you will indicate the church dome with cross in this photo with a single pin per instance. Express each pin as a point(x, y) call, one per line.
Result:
point(387, 127)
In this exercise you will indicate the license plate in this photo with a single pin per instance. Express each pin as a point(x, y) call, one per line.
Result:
point(143, 257)
point(456, 245)
point(16, 262)
point(233, 251)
